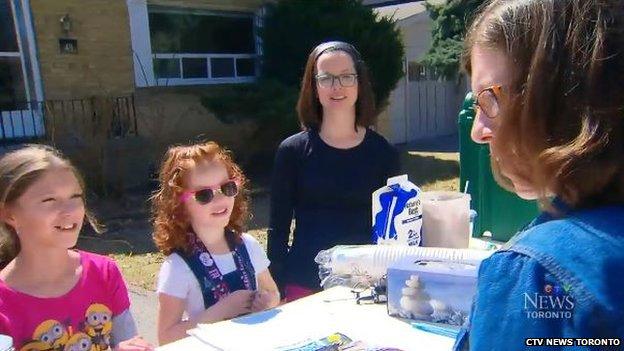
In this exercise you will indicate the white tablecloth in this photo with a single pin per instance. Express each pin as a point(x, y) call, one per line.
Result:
point(332, 310)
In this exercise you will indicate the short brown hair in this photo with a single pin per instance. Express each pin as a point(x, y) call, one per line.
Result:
point(19, 169)
point(171, 225)
point(309, 107)
point(564, 118)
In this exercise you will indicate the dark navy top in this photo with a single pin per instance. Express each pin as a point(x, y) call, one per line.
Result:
point(328, 191)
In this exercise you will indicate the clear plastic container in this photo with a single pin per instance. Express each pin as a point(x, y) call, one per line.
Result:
point(6, 343)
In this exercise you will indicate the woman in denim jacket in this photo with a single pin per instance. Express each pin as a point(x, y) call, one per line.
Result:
point(549, 82)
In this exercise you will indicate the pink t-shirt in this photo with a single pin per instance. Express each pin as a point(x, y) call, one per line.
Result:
point(74, 321)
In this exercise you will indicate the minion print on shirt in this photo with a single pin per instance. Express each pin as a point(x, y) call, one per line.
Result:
point(50, 335)
point(95, 333)
point(79, 342)
point(98, 325)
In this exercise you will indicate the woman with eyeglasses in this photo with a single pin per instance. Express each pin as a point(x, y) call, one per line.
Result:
point(323, 177)
point(549, 82)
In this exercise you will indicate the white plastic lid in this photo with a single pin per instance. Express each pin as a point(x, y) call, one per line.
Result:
point(442, 195)
point(6, 342)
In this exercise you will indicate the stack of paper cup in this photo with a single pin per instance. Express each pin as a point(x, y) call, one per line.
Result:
point(446, 219)
point(374, 260)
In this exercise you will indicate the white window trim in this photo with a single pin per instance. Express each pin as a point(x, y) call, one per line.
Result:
point(141, 43)
point(144, 73)
point(209, 79)
point(18, 53)
point(32, 50)
point(14, 122)
point(10, 54)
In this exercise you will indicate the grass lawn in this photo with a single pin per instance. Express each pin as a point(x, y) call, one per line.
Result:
point(129, 243)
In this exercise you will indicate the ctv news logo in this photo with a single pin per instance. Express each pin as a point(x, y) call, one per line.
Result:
point(571, 342)
point(554, 302)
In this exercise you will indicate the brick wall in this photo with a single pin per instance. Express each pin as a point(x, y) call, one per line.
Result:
point(103, 64)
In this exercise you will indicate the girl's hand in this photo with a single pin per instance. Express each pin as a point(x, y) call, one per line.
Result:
point(235, 304)
point(262, 301)
point(135, 344)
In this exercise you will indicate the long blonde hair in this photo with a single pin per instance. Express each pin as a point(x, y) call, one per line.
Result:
point(19, 169)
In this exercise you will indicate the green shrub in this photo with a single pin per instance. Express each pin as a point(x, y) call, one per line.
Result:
point(450, 22)
point(269, 103)
point(293, 28)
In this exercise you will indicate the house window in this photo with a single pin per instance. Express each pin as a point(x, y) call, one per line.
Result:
point(201, 47)
point(21, 115)
point(12, 89)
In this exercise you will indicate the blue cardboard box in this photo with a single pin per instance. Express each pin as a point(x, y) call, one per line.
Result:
point(431, 291)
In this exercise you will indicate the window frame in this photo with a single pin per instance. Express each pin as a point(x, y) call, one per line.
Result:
point(180, 80)
point(27, 122)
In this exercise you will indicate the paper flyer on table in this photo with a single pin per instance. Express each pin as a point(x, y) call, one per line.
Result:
point(252, 332)
point(301, 324)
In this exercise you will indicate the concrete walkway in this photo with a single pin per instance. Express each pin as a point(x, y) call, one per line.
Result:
point(144, 306)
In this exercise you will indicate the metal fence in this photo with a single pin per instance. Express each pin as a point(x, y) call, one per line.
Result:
point(41, 120)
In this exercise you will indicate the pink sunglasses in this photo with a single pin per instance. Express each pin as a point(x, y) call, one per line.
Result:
point(204, 195)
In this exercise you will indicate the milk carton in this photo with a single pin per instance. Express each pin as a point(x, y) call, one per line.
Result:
point(397, 213)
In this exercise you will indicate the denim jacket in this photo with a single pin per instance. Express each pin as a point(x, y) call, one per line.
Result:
point(558, 278)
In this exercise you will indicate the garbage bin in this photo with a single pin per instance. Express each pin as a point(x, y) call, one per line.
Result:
point(499, 211)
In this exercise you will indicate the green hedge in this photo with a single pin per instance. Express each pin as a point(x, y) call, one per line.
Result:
point(291, 29)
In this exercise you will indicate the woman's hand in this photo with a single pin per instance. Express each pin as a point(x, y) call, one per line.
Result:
point(135, 344)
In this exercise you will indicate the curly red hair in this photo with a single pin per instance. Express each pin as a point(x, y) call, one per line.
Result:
point(171, 224)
